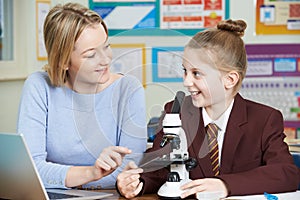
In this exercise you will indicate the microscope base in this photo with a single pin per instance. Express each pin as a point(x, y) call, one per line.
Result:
point(169, 198)
point(171, 190)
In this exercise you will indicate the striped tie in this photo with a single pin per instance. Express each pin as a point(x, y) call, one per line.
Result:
point(212, 133)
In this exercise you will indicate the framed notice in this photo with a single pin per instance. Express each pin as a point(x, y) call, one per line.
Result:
point(42, 9)
point(130, 59)
point(167, 64)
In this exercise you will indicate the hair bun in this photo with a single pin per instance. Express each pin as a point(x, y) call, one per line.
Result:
point(236, 26)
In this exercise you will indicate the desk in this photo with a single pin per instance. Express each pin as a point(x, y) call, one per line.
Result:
point(281, 196)
point(117, 196)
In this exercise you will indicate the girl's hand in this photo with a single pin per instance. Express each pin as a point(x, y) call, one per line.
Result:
point(128, 181)
point(204, 185)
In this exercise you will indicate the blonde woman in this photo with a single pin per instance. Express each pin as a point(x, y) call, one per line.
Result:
point(78, 118)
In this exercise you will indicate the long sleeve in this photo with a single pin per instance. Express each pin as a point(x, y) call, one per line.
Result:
point(64, 128)
point(32, 122)
point(255, 159)
point(273, 171)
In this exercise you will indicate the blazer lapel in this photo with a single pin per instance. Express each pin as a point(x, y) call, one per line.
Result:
point(197, 142)
point(233, 134)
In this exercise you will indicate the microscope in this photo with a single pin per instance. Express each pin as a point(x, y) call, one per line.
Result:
point(181, 164)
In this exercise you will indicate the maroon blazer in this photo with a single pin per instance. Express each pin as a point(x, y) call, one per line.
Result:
point(254, 159)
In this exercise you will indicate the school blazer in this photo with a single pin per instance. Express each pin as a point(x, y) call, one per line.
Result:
point(254, 159)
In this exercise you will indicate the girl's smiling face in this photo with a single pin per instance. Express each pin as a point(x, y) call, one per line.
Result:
point(203, 80)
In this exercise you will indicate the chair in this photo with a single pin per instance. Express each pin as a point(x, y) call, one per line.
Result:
point(296, 156)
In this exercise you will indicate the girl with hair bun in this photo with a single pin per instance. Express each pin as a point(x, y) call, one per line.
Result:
point(252, 157)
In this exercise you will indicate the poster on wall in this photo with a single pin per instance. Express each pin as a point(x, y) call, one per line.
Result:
point(167, 64)
point(129, 59)
point(160, 17)
point(273, 60)
point(272, 78)
point(122, 0)
point(278, 17)
point(189, 14)
point(126, 15)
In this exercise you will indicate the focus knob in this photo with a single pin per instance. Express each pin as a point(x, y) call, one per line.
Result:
point(173, 177)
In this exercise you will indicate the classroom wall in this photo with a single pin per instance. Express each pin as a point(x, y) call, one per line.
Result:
point(156, 93)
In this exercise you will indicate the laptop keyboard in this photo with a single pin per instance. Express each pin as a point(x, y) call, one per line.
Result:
point(53, 196)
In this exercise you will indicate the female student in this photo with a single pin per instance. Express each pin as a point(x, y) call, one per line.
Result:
point(251, 156)
point(78, 118)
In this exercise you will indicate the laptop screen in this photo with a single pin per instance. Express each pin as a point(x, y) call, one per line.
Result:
point(19, 178)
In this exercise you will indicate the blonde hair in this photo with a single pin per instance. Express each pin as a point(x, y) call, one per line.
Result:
point(226, 45)
point(62, 27)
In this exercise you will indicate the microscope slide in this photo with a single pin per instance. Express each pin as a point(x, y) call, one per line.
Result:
point(153, 164)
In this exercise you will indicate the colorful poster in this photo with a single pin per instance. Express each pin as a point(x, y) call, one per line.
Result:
point(127, 16)
point(273, 78)
point(191, 14)
point(273, 60)
point(122, 1)
point(278, 17)
point(160, 17)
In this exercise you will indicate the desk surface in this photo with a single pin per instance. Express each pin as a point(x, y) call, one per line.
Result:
point(117, 196)
point(281, 196)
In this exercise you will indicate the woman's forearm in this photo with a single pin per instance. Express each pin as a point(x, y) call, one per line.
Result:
point(79, 175)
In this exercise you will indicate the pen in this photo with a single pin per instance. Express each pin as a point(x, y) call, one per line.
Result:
point(270, 196)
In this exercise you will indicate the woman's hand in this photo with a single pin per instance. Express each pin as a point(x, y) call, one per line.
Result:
point(109, 159)
point(128, 181)
point(204, 185)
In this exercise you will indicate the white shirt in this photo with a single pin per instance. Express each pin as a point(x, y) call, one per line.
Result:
point(221, 122)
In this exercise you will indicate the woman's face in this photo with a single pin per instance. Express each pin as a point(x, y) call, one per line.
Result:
point(91, 58)
point(203, 80)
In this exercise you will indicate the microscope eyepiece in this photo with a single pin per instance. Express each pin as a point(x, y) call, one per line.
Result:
point(178, 102)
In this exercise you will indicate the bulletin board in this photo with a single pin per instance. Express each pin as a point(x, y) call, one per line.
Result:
point(273, 60)
point(277, 17)
point(158, 17)
point(273, 78)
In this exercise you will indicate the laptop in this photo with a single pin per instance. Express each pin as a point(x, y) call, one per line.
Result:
point(19, 178)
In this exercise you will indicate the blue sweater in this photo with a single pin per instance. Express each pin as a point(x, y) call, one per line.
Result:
point(63, 128)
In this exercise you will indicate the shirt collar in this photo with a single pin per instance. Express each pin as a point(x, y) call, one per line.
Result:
point(221, 122)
